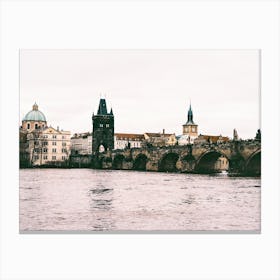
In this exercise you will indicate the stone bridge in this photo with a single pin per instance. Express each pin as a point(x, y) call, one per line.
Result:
point(242, 156)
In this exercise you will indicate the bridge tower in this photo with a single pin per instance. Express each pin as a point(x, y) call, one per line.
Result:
point(102, 129)
point(190, 128)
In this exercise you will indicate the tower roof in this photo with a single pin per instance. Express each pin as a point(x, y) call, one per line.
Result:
point(190, 116)
point(102, 109)
point(35, 115)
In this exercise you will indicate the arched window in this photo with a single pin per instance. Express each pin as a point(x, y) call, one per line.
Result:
point(36, 125)
point(28, 126)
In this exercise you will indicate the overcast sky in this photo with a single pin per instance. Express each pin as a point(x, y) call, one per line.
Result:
point(148, 89)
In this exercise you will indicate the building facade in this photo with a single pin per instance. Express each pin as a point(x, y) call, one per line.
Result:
point(128, 140)
point(102, 129)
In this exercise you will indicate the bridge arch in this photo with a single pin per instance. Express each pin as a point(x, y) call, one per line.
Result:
point(118, 162)
point(140, 162)
point(253, 164)
point(168, 162)
point(212, 161)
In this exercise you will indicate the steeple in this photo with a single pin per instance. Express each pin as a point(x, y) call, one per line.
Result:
point(190, 116)
point(102, 109)
point(111, 112)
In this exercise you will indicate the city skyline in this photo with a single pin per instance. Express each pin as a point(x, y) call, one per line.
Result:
point(67, 84)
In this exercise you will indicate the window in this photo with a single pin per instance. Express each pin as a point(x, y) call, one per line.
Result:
point(53, 157)
point(36, 125)
point(54, 150)
point(101, 125)
point(45, 143)
point(28, 126)
point(54, 143)
point(63, 137)
point(54, 136)
point(45, 157)
point(107, 125)
point(36, 142)
point(45, 150)
point(63, 158)
point(63, 144)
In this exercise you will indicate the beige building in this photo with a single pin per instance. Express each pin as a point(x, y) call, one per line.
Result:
point(222, 164)
point(40, 144)
point(128, 140)
point(160, 139)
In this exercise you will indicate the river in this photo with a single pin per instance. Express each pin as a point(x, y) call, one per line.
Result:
point(112, 201)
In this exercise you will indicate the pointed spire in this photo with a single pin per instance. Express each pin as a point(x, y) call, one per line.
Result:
point(102, 109)
point(111, 112)
point(190, 115)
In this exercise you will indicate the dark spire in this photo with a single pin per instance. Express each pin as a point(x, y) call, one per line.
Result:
point(190, 116)
point(102, 109)
point(111, 112)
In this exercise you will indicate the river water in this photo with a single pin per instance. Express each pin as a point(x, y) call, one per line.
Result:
point(111, 200)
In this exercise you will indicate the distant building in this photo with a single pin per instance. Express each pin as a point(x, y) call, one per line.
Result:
point(160, 139)
point(222, 164)
point(81, 144)
point(189, 130)
point(128, 140)
point(40, 144)
point(201, 139)
point(102, 129)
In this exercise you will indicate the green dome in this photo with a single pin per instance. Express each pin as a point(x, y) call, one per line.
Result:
point(35, 115)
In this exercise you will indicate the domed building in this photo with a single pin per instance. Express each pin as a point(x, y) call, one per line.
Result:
point(34, 119)
point(40, 144)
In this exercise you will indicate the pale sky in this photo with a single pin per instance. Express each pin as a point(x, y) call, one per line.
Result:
point(149, 90)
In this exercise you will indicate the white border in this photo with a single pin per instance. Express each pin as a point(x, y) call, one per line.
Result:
point(155, 24)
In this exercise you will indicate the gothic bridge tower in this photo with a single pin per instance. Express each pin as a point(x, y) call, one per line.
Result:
point(102, 129)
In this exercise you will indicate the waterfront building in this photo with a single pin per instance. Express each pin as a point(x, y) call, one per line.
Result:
point(160, 139)
point(41, 144)
point(128, 140)
point(81, 144)
point(222, 164)
point(102, 129)
point(189, 130)
point(48, 146)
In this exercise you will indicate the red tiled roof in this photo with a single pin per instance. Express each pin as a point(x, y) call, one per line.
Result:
point(213, 138)
point(150, 134)
point(129, 136)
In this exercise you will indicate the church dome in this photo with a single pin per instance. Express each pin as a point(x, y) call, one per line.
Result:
point(35, 115)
